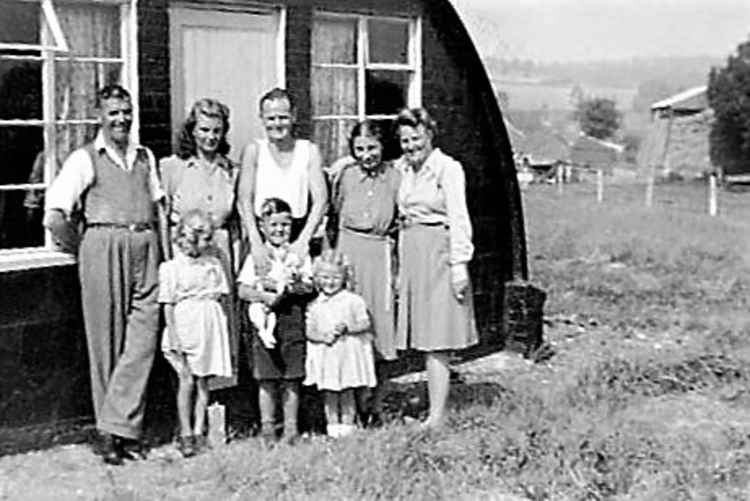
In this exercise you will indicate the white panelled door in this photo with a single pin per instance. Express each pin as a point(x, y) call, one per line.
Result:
point(234, 57)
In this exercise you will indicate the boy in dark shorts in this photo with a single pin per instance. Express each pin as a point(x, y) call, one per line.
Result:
point(278, 356)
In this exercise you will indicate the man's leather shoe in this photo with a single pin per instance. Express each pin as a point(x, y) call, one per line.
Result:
point(131, 449)
point(110, 450)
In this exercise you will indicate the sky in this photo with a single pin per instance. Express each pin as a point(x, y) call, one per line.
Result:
point(579, 30)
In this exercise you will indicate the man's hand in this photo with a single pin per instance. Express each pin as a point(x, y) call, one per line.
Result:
point(63, 231)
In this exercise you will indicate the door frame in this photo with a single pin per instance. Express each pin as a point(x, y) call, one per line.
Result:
point(177, 90)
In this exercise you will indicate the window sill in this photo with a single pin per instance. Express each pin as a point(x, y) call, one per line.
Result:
point(27, 259)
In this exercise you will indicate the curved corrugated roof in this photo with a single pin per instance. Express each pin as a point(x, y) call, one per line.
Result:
point(483, 89)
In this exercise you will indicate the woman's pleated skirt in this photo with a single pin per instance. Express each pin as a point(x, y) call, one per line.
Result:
point(430, 318)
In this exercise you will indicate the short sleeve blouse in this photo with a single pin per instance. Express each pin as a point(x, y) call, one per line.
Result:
point(367, 201)
point(189, 185)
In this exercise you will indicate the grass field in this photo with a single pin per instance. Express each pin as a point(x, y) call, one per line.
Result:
point(646, 398)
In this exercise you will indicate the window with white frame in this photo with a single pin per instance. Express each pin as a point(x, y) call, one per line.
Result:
point(362, 67)
point(54, 55)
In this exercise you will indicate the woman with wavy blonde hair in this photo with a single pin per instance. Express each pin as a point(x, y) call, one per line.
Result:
point(200, 176)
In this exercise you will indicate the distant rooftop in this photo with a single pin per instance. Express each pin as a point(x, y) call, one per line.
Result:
point(691, 99)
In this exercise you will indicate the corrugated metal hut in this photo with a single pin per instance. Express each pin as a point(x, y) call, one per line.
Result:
point(344, 60)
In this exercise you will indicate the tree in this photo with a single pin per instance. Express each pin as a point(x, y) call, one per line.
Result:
point(598, 117)
point(729, 96)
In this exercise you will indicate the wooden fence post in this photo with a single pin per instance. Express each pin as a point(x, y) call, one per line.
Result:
point(650, 187)
point(713, 202)
point(599, 185)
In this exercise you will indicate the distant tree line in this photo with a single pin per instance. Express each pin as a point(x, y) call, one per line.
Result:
point(677, 72)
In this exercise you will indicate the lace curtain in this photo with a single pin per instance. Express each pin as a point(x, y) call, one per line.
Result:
point(334, 89)
point(91, 31)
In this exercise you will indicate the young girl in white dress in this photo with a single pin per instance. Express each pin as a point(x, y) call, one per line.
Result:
point(339, 342)
point(196, 339)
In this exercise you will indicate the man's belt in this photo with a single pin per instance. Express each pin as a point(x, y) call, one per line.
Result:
point(135, 227)
point(407, 222)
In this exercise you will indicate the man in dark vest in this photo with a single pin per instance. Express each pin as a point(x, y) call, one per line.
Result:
point(117, 185)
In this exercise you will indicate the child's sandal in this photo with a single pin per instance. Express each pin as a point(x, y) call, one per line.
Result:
point(186, 445)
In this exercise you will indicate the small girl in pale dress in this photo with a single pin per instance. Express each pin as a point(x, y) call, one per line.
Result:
point(339, 343)
point(196, 339)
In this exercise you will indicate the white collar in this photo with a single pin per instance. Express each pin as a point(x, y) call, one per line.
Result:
point(131, 153)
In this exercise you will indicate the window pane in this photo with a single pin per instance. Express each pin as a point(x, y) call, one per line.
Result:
point(332, 136)
point(19, 22)
point(20, 89)
point(334, 91)
point(388, 41)
point(90, 30)
point(391, 146)
point(19, 147)
point(77, 84)
point(70, 137)
point(20, 213)
point(386, 91)
point(334, 41)
point(19, 226)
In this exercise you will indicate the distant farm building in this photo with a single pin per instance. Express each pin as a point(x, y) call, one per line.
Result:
point(537, 153)
point(677, 140)
point(544, 148)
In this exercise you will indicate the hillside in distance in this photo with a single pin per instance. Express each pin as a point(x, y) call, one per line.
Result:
point(680, 72)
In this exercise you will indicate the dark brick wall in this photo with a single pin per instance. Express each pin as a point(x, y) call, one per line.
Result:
point(153, 72)
point(43, 360)
point(298, 62)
